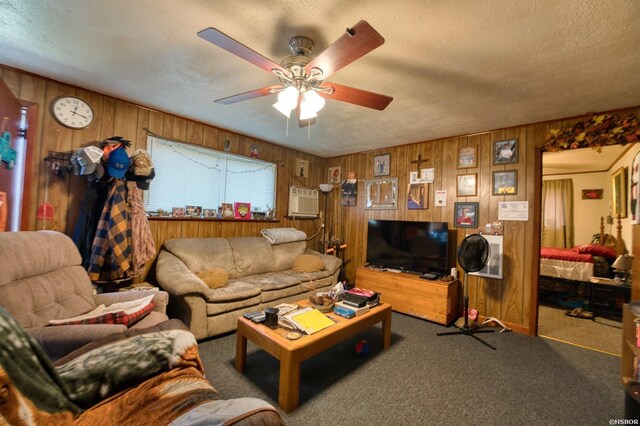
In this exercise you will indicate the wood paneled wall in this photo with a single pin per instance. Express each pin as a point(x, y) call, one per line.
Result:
point(512, 299)
point(117, 117)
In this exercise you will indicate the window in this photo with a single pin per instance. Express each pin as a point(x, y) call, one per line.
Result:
point(199, 176)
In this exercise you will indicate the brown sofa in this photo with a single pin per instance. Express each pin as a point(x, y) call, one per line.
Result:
point(42, 279)
point(260, 275)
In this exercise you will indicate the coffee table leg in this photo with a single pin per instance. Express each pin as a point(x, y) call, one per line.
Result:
point(241, 350)
point(289, 387)
point(386, 331)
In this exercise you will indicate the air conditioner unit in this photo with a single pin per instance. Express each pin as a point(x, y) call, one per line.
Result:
point(303, 202)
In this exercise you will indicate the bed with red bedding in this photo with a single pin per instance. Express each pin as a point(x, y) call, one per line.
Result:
point(578, 263)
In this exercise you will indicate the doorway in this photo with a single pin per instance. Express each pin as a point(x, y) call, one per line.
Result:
point(562, 296)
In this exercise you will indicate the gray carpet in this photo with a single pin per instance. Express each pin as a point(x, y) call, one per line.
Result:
point(423, 379)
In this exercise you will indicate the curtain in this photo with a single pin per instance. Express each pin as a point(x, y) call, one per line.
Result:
point(557, 213)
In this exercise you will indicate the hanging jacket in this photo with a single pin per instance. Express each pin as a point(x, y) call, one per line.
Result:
point(111, 253)
point(143, 248)
point(91, 207)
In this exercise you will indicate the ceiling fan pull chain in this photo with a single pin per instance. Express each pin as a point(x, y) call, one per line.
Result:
point(309, 131)
point(286, 130)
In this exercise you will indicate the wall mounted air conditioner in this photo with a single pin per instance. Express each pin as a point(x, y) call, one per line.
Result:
point(303, 202)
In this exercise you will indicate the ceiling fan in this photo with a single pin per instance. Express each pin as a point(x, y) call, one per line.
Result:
point(302, 87)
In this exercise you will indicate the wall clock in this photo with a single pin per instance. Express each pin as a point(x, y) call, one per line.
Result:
point(72, 112)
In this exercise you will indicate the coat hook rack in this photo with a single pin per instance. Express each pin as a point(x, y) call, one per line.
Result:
point(60, 162)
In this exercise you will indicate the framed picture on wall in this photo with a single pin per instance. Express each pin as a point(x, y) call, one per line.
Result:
point(505, 182)
point(592, 194)
point(381, 165)
point(467, 157)
point(635, 189)
point(418, 196)
point(466, 215)
point(467, 185)
point(334, 175)
point(505, 152)
point(619, 195)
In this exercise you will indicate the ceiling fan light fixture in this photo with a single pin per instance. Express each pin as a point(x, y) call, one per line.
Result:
point(283, 108)
point(313, 100)
point(306, 112)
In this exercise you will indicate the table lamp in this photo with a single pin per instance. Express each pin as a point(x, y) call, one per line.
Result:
point(623, 265)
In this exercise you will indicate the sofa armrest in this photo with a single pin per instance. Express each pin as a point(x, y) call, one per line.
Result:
point(57, 341)
point(174, 276)
point(160, 298)
point(331, 263)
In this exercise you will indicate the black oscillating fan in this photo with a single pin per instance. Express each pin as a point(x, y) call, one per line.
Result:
point(473, 255)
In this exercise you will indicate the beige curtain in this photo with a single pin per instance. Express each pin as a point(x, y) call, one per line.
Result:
point(557, 213)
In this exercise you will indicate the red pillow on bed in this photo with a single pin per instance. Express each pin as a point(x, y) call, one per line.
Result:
point(597, 250)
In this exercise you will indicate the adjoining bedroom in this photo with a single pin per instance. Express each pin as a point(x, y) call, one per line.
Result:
point(589, 203)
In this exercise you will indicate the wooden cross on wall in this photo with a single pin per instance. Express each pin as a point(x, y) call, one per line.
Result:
point(419, 161)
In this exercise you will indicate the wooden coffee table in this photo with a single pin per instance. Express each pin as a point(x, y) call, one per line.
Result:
point(291, 353)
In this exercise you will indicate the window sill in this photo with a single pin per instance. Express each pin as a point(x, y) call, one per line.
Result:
point(210, 219)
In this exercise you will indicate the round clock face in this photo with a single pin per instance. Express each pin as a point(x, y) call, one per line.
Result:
point(72, 112)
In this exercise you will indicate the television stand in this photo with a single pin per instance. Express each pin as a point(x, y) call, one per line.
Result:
point(413, 295)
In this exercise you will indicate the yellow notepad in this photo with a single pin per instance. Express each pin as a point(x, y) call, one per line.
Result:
point(310, 320)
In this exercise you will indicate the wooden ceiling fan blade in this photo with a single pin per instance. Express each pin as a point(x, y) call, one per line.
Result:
point(263, 91)
point(356, 96)
point(225, 42)
point(353, 44)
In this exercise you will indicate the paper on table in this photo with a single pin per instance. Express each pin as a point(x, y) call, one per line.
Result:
point(309, 320)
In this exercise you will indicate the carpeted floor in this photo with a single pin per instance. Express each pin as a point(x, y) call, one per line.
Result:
point(423, 379)
point(603, 334)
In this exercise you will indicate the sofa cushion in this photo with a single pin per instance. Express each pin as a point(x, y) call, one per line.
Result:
point(305, 276)
point(308, 263)
point(271, 295)
point(286, 253)
point(221, 308)
point(234, 290)
point(272, 280)
point(214, 277)
point(203, 253)
point(252, 255)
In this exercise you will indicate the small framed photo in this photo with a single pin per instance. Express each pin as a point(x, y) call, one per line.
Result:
point(381, 165)
point(334, 175)
point(466, 215)
point(193, 211)
point(227, 210)
point(210, 213)
point(505, 152)
point(592, 194)
point(467, 185)
point(242, 210)
point(349, 191)
point(227, 145)
point(418, 196)
point(505, 183)
point(467, 157)
point(255, 151)
point(302, 168)
point(177, 212)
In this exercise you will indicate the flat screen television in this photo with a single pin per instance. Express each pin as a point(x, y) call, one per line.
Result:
point(408, 246)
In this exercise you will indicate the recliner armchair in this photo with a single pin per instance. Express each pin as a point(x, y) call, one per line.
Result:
point(41, 278)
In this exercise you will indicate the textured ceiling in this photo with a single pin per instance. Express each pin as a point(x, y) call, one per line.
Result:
point(452, 66)
point(582, 160)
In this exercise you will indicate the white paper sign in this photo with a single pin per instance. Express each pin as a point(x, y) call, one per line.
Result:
point(441, 199)
point(427, 175)
point(513, 210)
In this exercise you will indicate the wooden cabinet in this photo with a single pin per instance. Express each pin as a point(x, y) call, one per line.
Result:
point(435, 301)
point(630, 349)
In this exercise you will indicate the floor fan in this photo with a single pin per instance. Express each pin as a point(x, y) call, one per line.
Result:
point(473, 255)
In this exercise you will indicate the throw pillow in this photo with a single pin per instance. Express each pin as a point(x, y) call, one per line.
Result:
point(308, 263)
point(127, 313)
point(214, 278)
